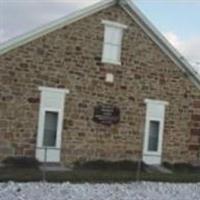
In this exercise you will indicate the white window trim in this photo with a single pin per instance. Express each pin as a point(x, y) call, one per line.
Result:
point(110, 61)
point(116, 25)
point(49, 89)
point(151, 101)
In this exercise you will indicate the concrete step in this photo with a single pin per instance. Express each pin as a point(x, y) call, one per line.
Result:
point(57, 167)
point(157, 168)
point(196, 163)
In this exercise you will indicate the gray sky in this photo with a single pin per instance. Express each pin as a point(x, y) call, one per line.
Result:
point(181, 25)
point(20, 16)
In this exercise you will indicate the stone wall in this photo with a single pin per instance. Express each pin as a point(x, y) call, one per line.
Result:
point(71, 58)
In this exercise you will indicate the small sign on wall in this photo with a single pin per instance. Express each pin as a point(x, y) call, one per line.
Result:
point(106, 114)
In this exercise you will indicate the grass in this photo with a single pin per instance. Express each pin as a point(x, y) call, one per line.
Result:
point(94, 176)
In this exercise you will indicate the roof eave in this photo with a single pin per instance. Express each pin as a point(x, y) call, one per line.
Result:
point(43, 30)
point(161, 41)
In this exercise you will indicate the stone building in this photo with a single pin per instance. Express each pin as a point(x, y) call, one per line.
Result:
point(99, 84)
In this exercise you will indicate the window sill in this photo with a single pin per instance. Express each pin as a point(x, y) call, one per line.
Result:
point(111, 62)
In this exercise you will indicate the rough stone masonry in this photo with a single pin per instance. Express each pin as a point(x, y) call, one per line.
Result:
point(71, 58)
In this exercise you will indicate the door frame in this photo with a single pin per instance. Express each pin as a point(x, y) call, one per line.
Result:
point(155, 111)
point(52, 100)
point(59, 127)
point(153, 157)
point(48, 153)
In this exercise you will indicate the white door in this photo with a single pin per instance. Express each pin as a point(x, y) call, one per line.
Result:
point(154, 127)
point(50, 125)
point(48, 148)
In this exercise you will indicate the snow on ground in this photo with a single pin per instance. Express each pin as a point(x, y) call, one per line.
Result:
point(67, 191)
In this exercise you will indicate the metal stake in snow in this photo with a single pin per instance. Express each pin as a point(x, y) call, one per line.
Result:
point(44, 167)
point(139, 167)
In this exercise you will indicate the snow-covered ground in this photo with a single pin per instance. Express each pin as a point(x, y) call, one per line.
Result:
point(67, 191)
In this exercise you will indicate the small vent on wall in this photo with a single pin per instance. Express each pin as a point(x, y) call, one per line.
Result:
point(109, 78)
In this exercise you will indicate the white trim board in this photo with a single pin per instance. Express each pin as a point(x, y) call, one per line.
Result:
point(136, 15)
point(115, 24)
point(48, 89)
point(157, 102)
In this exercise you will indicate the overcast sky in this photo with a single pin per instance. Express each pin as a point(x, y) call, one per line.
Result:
point(178, 20)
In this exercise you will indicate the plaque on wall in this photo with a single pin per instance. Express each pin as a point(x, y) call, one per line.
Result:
point(106, 114)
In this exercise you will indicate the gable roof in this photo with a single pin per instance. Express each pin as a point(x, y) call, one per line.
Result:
point(132, 11)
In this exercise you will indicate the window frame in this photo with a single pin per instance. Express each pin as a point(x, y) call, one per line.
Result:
point(157, 115)
point(58, 111)
point(120, 27)
point(160, 121)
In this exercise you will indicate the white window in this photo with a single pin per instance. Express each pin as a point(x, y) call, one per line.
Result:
point(112, 42)
point(50, 128)
point(50, 124)
point(154, 127)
